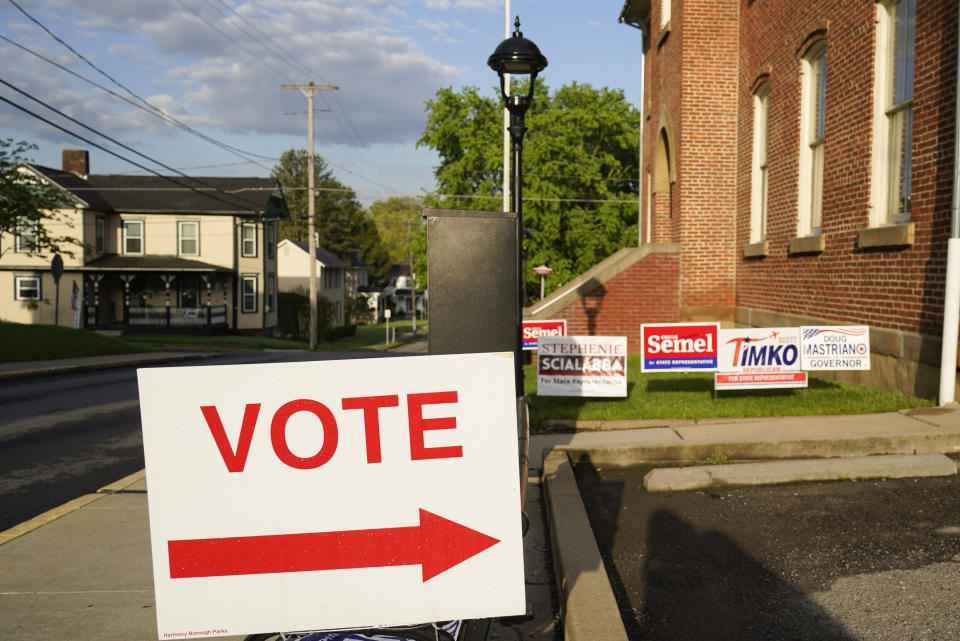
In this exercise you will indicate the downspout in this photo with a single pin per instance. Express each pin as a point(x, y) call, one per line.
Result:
point(951, 302)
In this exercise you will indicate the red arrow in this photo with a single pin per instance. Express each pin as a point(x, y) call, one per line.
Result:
point(437, 544)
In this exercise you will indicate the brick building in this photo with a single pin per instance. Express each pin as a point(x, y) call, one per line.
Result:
point(798, 164)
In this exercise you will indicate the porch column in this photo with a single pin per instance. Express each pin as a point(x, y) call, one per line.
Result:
point(126, 278)
point(206, 281)
point(96, 278)
point(167, 279)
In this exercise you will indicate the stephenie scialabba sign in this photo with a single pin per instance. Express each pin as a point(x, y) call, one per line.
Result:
point(679, 347)
point(582, 366)
point(333, 494)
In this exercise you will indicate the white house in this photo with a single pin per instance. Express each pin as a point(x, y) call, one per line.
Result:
point(293, 271)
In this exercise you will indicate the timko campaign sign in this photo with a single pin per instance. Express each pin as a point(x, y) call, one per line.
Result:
point(332, 494)
point(756, 358)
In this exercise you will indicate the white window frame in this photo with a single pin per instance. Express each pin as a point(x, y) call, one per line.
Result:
point(665, 7)
point(759, 174)
point(127, 237)
point(20, 245)
point(100, 234)
point(18, 286)
point(893, 114)
point(181, 237)
point(248, 306)
point(244, 240)
point(812, 136)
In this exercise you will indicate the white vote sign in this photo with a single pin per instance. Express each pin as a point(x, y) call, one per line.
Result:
point(332, 494)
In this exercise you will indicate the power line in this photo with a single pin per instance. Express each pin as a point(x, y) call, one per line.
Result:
point(112, 153)
point(152, 110)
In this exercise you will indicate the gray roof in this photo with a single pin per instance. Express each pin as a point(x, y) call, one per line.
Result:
point(322, 254)
point(113, 262)
point(174, 194)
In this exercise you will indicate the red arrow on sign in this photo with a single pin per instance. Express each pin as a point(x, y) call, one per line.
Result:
point(437, 544)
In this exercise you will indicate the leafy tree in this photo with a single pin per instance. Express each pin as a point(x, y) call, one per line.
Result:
point(27, 202)
point(402, 231)
point(580, 184)
point(341, 222)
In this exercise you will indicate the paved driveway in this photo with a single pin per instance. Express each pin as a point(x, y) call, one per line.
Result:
point(842, 560)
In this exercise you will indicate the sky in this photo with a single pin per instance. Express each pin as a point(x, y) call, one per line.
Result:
point(195, 85)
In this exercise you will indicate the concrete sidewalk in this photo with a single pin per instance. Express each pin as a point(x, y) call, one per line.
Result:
point(83, 570)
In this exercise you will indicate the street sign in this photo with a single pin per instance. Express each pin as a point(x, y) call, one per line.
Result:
point(332, 494)
point(534, 329)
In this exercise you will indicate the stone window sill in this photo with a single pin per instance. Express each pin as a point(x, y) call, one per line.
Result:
point(807, 245)
point(664, 32)
point(756, 250)
point(889, 236)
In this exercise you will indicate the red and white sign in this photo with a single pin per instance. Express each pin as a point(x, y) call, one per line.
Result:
point(332, 494)
point(755, 358)
point(542, 270)
point(723, 381)
point(533, 330)
point(679, 347)
point(582, 366)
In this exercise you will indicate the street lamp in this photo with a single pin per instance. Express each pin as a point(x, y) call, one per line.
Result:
point(517, 55)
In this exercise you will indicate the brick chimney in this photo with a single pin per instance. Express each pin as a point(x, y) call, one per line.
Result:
point(76, 161)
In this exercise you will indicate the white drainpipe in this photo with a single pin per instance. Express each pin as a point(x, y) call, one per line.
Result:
point(951, 302)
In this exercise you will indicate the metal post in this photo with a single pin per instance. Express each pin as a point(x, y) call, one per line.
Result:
point(517, 130)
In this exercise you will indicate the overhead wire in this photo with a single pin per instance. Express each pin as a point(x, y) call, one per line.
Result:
point(234, 203)
point(139, 102)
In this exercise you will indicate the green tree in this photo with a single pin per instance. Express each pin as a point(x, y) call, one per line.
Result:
point(27, 202)
point(580, 184)
point(342, 224)
point(397, 219)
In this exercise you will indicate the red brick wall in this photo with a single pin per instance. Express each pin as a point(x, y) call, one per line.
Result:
point(899, 288)
point(691, 77)
point(646, 292)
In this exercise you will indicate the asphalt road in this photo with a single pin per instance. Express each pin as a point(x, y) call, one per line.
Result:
point(65, 435)
point(833, 561)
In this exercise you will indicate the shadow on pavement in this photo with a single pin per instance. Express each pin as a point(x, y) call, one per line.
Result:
point(702, 585)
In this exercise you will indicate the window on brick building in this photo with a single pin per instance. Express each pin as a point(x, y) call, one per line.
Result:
point(758, 195)
point(812, 133)
point(893, 122)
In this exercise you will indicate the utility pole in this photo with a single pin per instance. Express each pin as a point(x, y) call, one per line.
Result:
point(413, 283)
point(308, 91)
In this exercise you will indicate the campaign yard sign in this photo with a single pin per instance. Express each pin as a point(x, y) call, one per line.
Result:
point(679, 347)
point(757, 358)
point(332, 494)
point(836, 347)
point(532, 330)
point(582, 366)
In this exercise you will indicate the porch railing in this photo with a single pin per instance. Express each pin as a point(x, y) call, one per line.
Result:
point(177, 316)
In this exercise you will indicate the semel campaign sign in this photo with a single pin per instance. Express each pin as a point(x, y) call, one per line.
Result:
point(679, 347)
point(582, 366)
point(532, 330)
point(332, 494)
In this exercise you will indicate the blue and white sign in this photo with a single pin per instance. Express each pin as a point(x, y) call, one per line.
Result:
point(835, 347)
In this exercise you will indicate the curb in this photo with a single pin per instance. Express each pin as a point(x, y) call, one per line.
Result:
point(589, 610)
point(70, 506)
point(66, 367)
point(859, 467)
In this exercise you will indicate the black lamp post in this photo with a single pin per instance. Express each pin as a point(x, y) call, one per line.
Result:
point(517, 55)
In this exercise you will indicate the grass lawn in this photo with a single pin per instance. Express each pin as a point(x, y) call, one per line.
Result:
point(690, 396)
point(45, 342)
